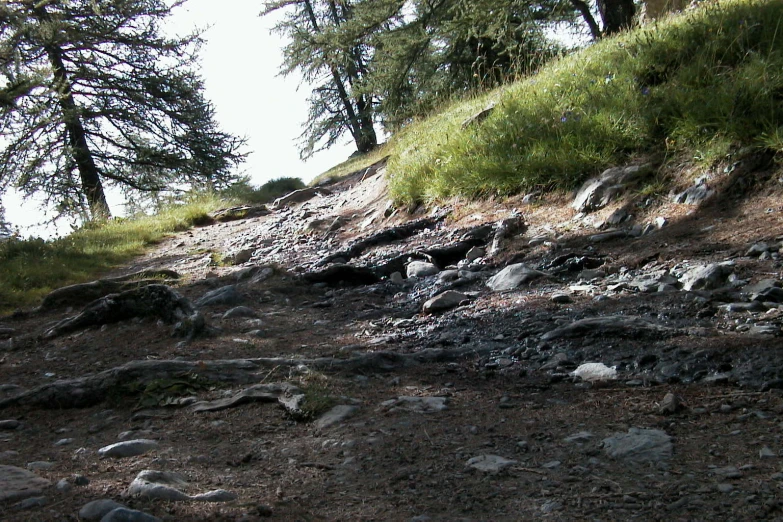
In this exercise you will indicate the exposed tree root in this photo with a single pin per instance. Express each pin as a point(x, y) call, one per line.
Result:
point(93, 389)
point(76, 295)
point(149, 301)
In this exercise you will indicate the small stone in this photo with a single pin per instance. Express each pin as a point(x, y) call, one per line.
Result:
point(335, 416)
point(97, 509)
point(218, 495)
point(551, 465)
point(31, 503)
point(130, 448)
point(560, 298)
point(80, 480)
point(475, 253)
point(396, 279)
point(421, 269)
point(766, 453)
point(10, 424)
point(725, 488)
point(490, 463)
point(63, 485)
point(639, 445)
point(124, 514)
point(63, 442)
point(579, 438)
point(239, 311)
point(40, 465)
point(551, 506)
point(670, 404)
point(444, 301)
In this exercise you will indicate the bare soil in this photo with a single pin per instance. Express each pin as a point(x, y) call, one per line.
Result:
point(394, 464)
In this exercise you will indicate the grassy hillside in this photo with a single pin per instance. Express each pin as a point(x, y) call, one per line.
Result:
point(700, 84)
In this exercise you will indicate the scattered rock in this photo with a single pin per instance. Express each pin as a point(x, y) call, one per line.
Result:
point(239, 311)
point(158, 485)
point(257, 393)
point(97, 509)
point(561, 298)
point(670, 404)
point(128, 448)
point(598, 192)
point(513, 276)
point(335, 416)
point(639, 445)
point(226, 295)
point(416, 404)
point(445, 301)
point(492, 464)
point(18, 484)
point(707, 277)
point(421, 269)
point(593, 372)
point(10, 424)
point(123, 514)
point(614, 324)
point(30, 503)
point(218, 495)
point(694, 195)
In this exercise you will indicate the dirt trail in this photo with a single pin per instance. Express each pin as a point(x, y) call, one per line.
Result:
point(469, 413)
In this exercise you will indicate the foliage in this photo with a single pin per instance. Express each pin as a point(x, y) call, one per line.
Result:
point(33, 267)
point(91, 93)
point(244, 192)
point(698, 84)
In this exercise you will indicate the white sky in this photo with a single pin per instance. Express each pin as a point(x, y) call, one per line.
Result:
point(239, 62)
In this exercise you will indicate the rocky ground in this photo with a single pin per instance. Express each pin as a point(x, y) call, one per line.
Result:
point(610, 356)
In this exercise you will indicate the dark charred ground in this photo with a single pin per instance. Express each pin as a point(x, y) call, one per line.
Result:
point(512, 396)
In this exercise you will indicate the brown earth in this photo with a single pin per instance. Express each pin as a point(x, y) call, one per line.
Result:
point(512, 397)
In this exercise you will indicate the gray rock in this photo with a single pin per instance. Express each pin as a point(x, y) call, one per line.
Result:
point(292, 404)
point(707, 277)
point(617, 217)
point(30, 503)
point(239, 311)
point(421, 269)
point(598, 192)
point(226, 295)
point(639, 445)
point(257, 393)
point(396, 278)
point(97, 509)
point(445, 301)
point(239, 257)
point(771, 294)
point(725, 488)
point(551, 506)
point(63, 442)
point(613, 324)
point(10, 424)
point(128, 448)
point(670, 404)
point(18, 484)
point(561, 298)
point(580, 438)
point(63, 485)
point(448, 275)
point(218, 495)
point(40, 465)
point(335, 416)
point(158, 485)
point(608, 236)
point(475, 253)
point(513, 276)
point(757, 249)
point(123, 514)
point(693, 195)
point(492, 464)
point(416, 404)
point(766, 453)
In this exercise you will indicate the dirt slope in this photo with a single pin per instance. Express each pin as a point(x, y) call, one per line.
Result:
point(488, 376)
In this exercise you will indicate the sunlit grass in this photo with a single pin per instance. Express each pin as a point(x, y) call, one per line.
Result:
point(697, 85)
point(31, 268)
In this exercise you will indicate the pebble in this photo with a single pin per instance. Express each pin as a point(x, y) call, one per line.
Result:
point(30, 503)
point(490, 463)
point(725, 488)
point(766, 453)
point(40, 465)
point(10, 424)
point(64, 486)
point(130, 448)
point(123, 514)
point(97, 509)
point(63, 442)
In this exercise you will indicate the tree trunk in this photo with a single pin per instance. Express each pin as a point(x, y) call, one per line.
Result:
point(77, 137)
point(616, 14)
point(584, 10)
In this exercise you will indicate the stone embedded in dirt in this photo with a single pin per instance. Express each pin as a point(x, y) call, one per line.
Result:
point(343, 274)
point(128, 448)
point(694, 195)
point(475, 253)
point(707, 277)
point(490, 463)
point(10, 424)
point(445, 301)
point(561, 298)
point(40, 465)
point(613, 324)
point(767, 453)
point(292, 404)
point(63, 485)
point(97, 509)
point(416, 404)
point(123, 514)
point(335, 415)
point(240, 311)
point(448, 276)
point(239, 257)
point(579, 438)
point(608, 236)
point(226, 295)
point(17, 483)
point(593, 372)
point(639, 445)
point(299, 196)
point(670, 404)
point(771, 294)
point(503, 229)
point(396, 278)
point(513, 276)
point(421, 269)
point(30, 503)
point(598, 192)
point(757, 249)
point(158, 485)
point(218, 495)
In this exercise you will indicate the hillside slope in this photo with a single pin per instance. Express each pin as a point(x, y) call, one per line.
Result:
point(463, 413)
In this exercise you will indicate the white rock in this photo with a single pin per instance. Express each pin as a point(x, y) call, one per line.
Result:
point(490, 463)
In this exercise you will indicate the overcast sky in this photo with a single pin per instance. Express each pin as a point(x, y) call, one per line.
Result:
point(239, 63)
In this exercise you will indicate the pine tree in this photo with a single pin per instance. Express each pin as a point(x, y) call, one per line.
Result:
point(92, 94)
point(336, 67)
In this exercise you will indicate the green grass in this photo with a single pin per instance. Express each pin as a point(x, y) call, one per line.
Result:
point(246, 193)
point(32, 268)
point(700, 84)
point(353, 165)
